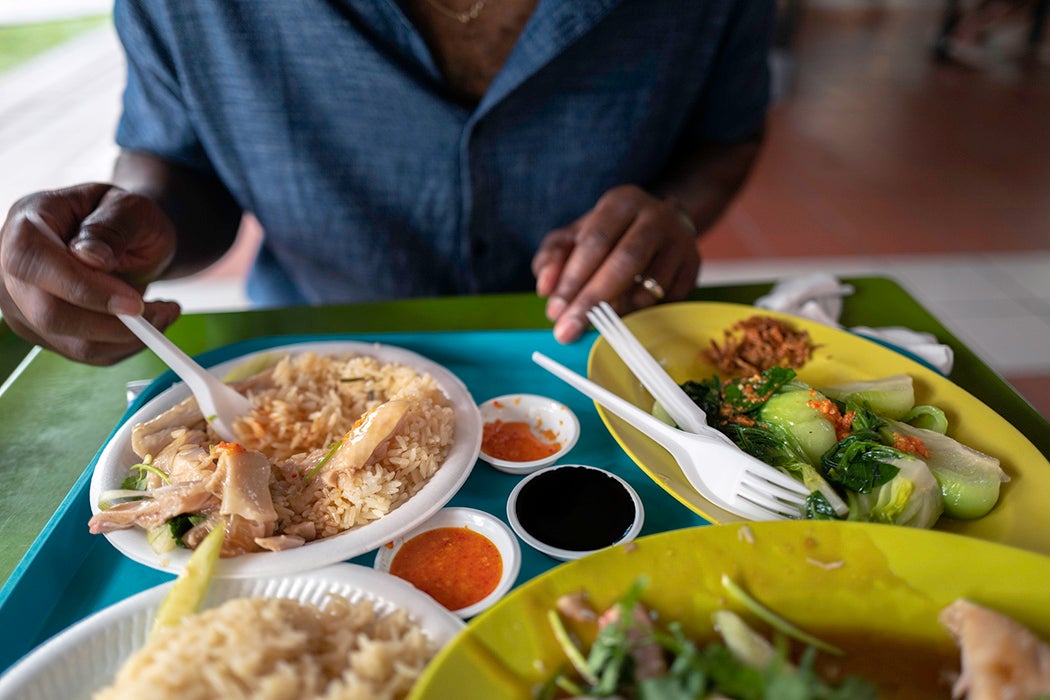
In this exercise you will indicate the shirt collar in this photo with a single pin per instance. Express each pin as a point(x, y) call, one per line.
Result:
point(554, 25)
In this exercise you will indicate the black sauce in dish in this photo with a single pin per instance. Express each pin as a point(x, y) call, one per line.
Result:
point(575, 508)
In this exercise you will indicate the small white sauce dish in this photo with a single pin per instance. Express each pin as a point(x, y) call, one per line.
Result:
point(550, 421)
point(568, 511)
point(489, 526)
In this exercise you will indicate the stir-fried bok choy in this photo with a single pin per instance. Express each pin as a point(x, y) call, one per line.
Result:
point(864, 449)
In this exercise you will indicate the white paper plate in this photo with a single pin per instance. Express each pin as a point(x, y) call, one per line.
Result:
point(85, 658)
point(117, 457)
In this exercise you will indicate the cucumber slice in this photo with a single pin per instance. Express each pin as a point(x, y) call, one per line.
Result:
point(190, 587)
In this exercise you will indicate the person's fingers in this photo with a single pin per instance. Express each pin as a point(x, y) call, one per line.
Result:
point(633, 253)
point(656, 245)
point(549, 261)
point(34, 259)
point(673, 272)
point(128, 235)
point(63, 298)
point(601, 243)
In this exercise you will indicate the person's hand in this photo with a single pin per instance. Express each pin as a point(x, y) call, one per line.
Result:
point(632, 250)
point(70, 259)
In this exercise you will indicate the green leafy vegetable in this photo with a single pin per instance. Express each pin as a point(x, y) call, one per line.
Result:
point(748, 394)
point(927, 418)
point(771, 618)
point(819, 508)
point(770, 417)
point(889, 396)
point(745, 665)
point(969, 479)
point(860, 465)
point(911, 498)
point(794, 412)
point(575, 656)
point(138, 477)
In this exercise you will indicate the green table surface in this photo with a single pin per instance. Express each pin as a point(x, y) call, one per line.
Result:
point(55, 414)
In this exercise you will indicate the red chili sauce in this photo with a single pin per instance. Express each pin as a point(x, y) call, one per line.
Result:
point(456, 566)
point(515, 441)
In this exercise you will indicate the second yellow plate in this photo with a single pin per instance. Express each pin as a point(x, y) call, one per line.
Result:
point(870, 582)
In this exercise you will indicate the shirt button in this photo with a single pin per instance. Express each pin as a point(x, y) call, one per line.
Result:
point(479, 248)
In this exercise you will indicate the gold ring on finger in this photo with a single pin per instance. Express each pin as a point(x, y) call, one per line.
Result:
point(652, 286)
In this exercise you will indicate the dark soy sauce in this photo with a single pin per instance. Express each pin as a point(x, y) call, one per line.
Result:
point(575, 508)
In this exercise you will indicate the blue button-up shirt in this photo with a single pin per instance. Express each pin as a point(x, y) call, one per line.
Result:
point(328, 120)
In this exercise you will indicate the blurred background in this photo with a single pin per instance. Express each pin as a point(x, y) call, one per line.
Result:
point(908, 138)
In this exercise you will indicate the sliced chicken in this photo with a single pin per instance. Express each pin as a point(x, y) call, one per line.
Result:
point(279, 543)
point(151, 437)
point(246, 485)
point(260, 381)
point(306, 530)
point(160, 506)
point(184, 458)
point(649, 661)
point(576, 606)
point(366, 440)
point(240, 534)
point(1001, 659)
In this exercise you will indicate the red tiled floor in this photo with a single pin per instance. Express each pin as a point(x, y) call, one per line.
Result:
point(878, 149)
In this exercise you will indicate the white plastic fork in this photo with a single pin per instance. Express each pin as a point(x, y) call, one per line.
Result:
point(689, 417)
point(722, 473)
point(220, 403)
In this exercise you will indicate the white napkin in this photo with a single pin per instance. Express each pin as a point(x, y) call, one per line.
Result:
point(818, 297)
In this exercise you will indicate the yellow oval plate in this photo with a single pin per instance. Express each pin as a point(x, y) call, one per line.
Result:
point(892, 583)
point(675, 335)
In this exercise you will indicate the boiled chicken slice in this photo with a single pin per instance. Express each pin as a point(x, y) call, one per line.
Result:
point(1001, 659)
point(240, 537)
point(151, 437)
point(306, 530)
point(648, 656)
point(158, 507)
point(246, 485)
point(364, 443)
point(184, 458)
point(279, 543)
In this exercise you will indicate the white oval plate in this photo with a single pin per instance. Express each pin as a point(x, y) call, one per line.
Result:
point(85, 658)
point(113, 463)
point(481, 522)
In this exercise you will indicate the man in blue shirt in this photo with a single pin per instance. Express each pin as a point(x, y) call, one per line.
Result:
point(401, 148)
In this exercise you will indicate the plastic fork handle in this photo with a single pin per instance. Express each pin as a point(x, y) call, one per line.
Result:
point(656, 380)
point(656, 429)
point(201, 382)
point(651, 426)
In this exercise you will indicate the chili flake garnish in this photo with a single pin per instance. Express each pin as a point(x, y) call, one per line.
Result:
point(842, 422)
point(910, 445)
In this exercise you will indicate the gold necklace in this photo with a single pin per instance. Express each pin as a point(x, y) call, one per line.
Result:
point(465, 17)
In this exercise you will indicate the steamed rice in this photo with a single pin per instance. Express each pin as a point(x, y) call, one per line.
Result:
point(310, 402)
point(278, 649)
